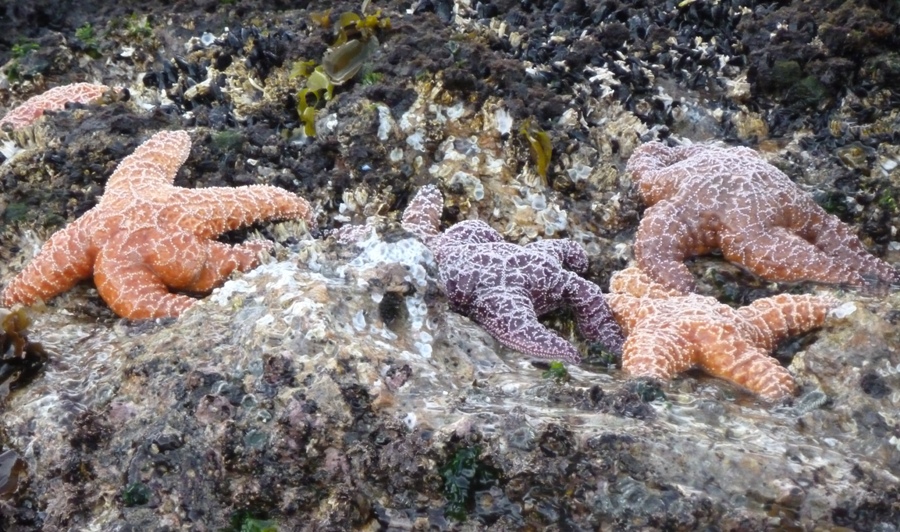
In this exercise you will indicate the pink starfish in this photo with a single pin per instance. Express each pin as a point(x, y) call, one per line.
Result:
point(147, 235)
point(52, 100)
point(704, 198)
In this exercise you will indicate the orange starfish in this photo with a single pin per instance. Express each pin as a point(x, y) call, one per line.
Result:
point(146, 236)
point(704, 198)
point(669, 333)
point(52, 100)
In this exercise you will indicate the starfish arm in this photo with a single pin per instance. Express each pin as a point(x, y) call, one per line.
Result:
point(223, 259)
point(132, 290)
point(65, 259)
point(209, 212)
point(153, 164)
point(664, 240)
point(764, 254)
point(657, 352)
point(773, 319)
point(834, 238)
point(509, 317)
point(422, 217)
point(595, 318)
point(52, 100)
point(569, 253)
point(634, 283)
point(749, 367)
point(470, 232)
point(654, 167)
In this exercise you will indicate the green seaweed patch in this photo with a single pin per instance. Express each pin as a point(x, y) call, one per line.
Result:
point(227, 140)
point(371, 78)
point(138, 25)
point(88, 38)
point(557, 371)
point(464, 475)
point(246, 521)
point(85, 33)
point(540, 145)
point(342, 63)
point(136, 494)
point(321, 18)
point(23, 48)
point(888, 201)
point(15, 212)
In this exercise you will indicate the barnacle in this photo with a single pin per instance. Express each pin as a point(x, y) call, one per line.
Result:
point(557, 371)
point(541, 147)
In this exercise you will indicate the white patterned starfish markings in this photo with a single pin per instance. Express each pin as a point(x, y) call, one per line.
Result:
point(670, 332)
point(505, 287)
point(704, 198)
point(147, 235)
point(52, 100)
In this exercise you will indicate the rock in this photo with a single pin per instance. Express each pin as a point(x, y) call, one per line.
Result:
point(332, 388)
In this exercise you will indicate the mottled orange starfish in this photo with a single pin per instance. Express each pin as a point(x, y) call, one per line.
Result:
point(52, 100)
point(147, 235)
point(669, 332)
point(704, 198)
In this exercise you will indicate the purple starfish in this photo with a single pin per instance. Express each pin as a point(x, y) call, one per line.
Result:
point(504, 287)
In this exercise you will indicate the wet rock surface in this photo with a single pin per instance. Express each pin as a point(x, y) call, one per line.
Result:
point(332, 388)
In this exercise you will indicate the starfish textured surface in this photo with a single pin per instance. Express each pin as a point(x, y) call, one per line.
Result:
point(147, 235)
point(669, 332)
point(704, 198)
point(52, 100)
point(505, 287)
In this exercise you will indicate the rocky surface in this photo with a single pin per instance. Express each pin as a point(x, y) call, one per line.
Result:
point(332, 388)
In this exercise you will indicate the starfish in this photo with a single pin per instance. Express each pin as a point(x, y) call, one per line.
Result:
point(52, 100)
point(147, 235)
point(704, 198)
point(669, 332)
point(505, 287)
